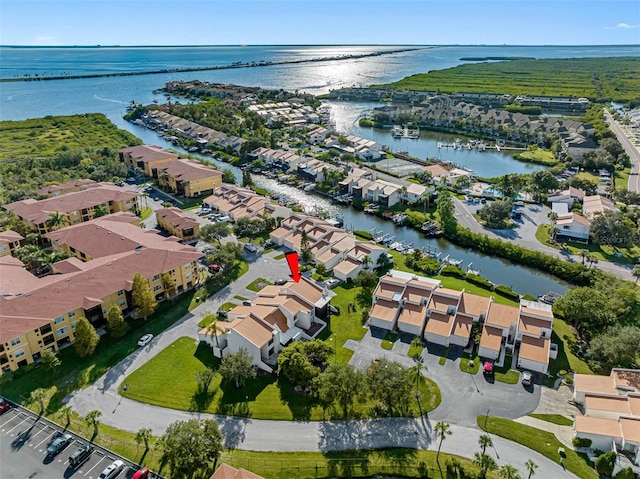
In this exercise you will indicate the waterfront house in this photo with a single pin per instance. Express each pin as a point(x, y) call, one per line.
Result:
point(189, 178)
point(573, 226)
point(237, 202)
point(596, 204)
point(75, 207)
point(568, 196)
point(146, 158)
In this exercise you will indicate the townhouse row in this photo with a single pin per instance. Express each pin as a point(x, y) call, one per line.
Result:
point(279, 316)
point(38, 313)
point(421, 307)
point(611, 405)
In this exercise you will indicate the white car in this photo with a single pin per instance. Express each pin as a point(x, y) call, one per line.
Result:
point(527, 378)
point(112, 470)
point(250, 247)
point(144, 340)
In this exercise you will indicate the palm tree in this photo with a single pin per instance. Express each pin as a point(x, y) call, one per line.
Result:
point(366, 260)
point(531, 468)
point(507, 471)
point(40, 396)
point(144, 434)
point(65, 412)
point(485, 442)
point(485, 463)
point(213, 328)
point(442, 430)
point(92, 420)
point(583, 254)
point(416, 371)
point(553, 216)
point(56, 220)
point(425, 199)
point(636, 272)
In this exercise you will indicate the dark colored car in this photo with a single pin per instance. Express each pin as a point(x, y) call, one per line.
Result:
point(58, 444)
point(81, 455)
point(280, 282)
point(223, 314)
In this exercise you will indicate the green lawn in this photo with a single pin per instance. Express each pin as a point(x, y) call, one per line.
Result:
point(464, 363)
point(388, 341)
point(145, 212)
point(621, 179)
point(628, 255)
point(539, 156)
point(415, 351)
point(168, 380)
point(443, 357)
point(258, 284)
point(564, 336)
point(505, 374)
point(541, 441)
point(241, 298)
point(278, 257)
point(554, 419)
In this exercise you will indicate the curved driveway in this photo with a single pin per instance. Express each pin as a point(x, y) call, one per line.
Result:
point(264, 435)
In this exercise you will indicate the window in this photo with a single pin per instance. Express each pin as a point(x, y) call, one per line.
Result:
point(73, 325)
point(61, 331)
point(15, 342)
point(156, 277)
point(72, 314)
point(3, 247)
point(188, 275)
point(58, 320)
point(19, 353)
point(122, 303)
point(121, 292)
point(187, 266)
point(157, 287)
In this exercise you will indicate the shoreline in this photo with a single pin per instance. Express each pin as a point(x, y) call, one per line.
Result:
point(209, 68)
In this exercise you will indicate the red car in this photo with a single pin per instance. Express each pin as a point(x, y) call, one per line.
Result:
point(488, 368)
point(141, 474)
point(4, 406)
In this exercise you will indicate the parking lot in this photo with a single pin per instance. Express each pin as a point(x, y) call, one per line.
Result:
point(24, 438)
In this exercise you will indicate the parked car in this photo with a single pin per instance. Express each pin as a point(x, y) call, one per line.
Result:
point(250, 247)
point(213, 268)
point(58, 444)
point(4, 405)
point(81, 455)
point(487, 369)
point(144, 340)
point(223, 219)
point(527, 378)
point(246, 303)
point(142, 473)
point(280, 282)
point(223, 314)
point(332, 282)
point(112, 470)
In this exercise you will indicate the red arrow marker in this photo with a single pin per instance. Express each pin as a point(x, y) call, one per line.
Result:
point(292, 261)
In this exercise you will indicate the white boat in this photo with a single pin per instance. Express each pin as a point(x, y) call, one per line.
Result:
point(310, 187)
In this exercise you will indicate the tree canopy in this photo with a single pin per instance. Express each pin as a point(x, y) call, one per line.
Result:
point(301, 362)
point(192, 445)
point(86, 338)
point(144, 301)
point(343, 384)
point(115, 322)
point(390, 385)
point(237, 368)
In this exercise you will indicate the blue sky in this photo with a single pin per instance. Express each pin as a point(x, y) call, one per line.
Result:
point(224, 22)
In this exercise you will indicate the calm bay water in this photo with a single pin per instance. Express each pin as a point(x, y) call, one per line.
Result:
point(21, 100)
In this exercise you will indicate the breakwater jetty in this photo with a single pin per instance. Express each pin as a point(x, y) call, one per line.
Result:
point(254, 64)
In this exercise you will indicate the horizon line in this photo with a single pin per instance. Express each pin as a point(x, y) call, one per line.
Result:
point(328, 45)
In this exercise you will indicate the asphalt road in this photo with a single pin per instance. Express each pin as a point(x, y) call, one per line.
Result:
point(24, 438)
point(632, 150)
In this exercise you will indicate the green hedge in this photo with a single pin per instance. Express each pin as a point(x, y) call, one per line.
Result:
point(479, 281)
point(507, 292)
point(574, 273)
point(451, 270)
point(363, 234)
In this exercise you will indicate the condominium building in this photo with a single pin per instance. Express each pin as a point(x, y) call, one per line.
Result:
point(146, 158)
point(189, 178)
point(179, 223)
point(75, 207)
point(41, 313)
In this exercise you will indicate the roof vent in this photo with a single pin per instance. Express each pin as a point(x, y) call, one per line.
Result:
point(108, 264)
point(67, 280)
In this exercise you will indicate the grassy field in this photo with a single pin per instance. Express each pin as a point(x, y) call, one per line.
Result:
point(505, 374)
point(565, 337)
point(554, 419)
point(628, 255)
point(543, 157)
point(168, 380)
point(612, 78)
point(464, 363)
point(541, 441)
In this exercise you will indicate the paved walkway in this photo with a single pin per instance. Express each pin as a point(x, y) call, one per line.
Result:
point(632, 150)
point(524, 235)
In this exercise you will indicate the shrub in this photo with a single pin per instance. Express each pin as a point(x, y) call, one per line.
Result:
point(568, 380)
point(626, 473)
point(581, 442)
point(479, 281)
point(451, 270)
point(606, 462)
point(363, 234)
point(507, 292)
